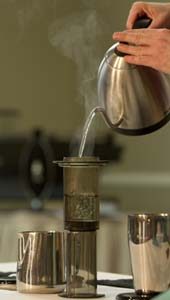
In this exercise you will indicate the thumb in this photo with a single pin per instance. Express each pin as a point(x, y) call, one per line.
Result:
point(156, 23)
point(131, 20)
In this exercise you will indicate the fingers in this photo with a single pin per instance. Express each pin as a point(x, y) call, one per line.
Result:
point(147, 62)
point(159, 13)
point(141, 37)
point(138, 10)
point(158, 22)
point(133, 16)
point(133, 50)
point(135, 36)
point(154, 24)
point(138, 60)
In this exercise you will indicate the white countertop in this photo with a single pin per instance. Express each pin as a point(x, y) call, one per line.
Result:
point(110, 292)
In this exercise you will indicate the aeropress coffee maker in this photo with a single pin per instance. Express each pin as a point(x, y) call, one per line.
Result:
point(81, 221)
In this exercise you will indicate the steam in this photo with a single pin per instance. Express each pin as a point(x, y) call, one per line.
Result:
point(29, 11)
point(26, 13)
point(76, 36)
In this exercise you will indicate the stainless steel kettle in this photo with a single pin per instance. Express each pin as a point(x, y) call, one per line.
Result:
point(135, 100)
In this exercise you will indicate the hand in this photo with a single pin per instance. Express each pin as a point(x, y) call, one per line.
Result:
point(147, 47)
point(158, 12)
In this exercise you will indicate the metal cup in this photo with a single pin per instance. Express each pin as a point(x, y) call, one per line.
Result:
point(149, 244)
point(41, 262)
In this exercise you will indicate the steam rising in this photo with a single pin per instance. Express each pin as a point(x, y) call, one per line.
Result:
point(27, 13)
point(77, 37)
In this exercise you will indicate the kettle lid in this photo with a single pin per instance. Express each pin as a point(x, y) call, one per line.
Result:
point(116, 61)
point(114, 57)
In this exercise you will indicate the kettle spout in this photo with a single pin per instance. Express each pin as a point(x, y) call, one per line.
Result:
point(106, 119)
point(88, 122)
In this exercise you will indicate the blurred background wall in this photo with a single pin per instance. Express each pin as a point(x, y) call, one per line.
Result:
point(50, 51)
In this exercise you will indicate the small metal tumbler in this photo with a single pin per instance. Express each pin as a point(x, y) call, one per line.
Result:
point(41, 262)
point(149, 244)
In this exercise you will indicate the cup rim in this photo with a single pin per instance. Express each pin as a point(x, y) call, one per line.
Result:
point(41, 232)
point(149, 215)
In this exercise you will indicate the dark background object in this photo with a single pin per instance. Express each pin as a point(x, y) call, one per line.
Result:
point(19, 153)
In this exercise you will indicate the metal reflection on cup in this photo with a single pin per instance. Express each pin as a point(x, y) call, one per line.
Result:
point(41, 262)
point(149, 245)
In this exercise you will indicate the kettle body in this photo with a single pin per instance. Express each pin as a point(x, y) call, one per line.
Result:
point(135, 99)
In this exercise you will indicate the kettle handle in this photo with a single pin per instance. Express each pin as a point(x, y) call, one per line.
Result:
point(142, 22)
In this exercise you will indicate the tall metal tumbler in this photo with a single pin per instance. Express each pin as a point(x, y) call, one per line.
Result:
point(41, 262)
point(149, 244)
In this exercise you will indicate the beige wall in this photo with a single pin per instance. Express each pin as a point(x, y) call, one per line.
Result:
point(49, 55)
point(50, 49)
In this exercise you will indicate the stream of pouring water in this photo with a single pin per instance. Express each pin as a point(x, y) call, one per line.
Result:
point(88, 124)
point(85, 130)
point(89, 120)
